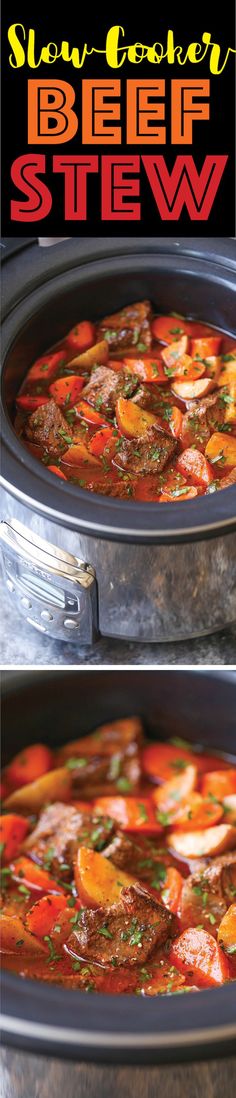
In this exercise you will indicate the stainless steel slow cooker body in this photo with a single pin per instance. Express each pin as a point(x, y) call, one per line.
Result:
point(134, 571)
point(104, 1028)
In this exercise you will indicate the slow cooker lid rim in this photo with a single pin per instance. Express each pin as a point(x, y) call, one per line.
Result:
point(59, 266)
point(170, 1040)
point(222, 527)
point(37, 1006)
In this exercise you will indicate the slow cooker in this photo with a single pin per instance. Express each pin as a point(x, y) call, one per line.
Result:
point(77, 563)
point(126, 1029)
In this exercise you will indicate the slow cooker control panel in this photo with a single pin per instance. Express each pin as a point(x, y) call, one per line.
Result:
point(55, 591)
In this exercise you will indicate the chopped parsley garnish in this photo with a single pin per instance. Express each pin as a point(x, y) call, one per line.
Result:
point(143, 813)
point(114, 768)
point(25, 891)
point(163, 819)
point(76, 918)
point(67, 438)
point(53, 955)
point(123, 785)
point(105, 932)
point(176, 741)
point(110, 334)
point(48, 857)
point(179, 764)
point(76, 763)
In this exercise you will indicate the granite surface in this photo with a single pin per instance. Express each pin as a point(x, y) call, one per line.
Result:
point(21, 645)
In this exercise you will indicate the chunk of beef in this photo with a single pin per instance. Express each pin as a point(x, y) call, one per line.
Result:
point(154, 398)
point(125, 933)
point(206, 894)
point(101, 390)
point(118, 742)
point(105, 386)
point(127, 385)
point(140, 857)
point(60, 830)
point(128, 328)
point(122, 735)
point(48, 427)
point(202, 418)
point(147, 454)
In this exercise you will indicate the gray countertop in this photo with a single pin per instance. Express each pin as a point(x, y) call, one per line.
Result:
point(21, 645)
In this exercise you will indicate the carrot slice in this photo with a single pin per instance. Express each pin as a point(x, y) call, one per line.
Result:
point(82, 336)
point(33, 876)
point(171, 893)
point(132, 813)
point(46, 367)
point(206, 346)
point(98, 881)
point(13, 829)
point(42, 916)
point(148, 369)
point(198, 956)
point(167, 328)
point(227, 930)
point(66, 390)
point(219, 783)
point(58, 472)
point(198, 813)
point(100, 439)
point(168, 796)
point(28, 765)
point(191, 463)
point(30, 403)
point(161, 761)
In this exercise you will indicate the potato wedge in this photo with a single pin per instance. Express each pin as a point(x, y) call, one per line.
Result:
point(229, 807)
point(213, 367)
point(95, 356)
point(98, 881)
point(132, 420)
point(199, 844)
point(53, 786)
point(78, 454)
point(230, 404)
point(193, 390)
point(174, 351)
point(227, 373)
point(168, 797)
point(15, 938)
point(221, 450)
point(227, 930)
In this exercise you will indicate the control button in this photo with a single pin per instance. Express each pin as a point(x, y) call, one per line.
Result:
point(26, 604)
point(46, 616)
point(10, 585)
point(69, 624)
